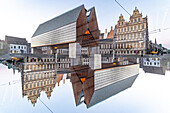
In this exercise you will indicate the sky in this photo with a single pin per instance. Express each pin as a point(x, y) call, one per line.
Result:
point(21, 18)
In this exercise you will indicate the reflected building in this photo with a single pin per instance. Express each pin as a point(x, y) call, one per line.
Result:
point(156, 64)
point(35, 82)
point(73, 38)
point(93, 86)
point(38, 76)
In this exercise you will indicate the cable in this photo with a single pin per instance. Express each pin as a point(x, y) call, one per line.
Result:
point(11, 82)
point(46, 106)
point(122, 7)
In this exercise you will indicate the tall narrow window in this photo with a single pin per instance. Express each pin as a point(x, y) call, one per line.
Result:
point(143, 26)
point(131, 36)
point(138, 19)
point(138, 26)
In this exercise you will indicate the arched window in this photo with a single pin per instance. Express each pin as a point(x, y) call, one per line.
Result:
point(138, 19)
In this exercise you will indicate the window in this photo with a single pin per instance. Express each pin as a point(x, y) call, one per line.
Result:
point(135, 35)
point(21, 47)
point(138, 26)
point(34, 92)
point(119, 23)
point(131, 21)
point(143, 26)
point(135, 27)
point(138, 19)
point(128, 36)
point(26, 86)
point(142, 35)
point(135, 20)
point(30, 92)
point(14, 47)
point(122, 23)
point(131, 28)
point(131, 36)
point(11, 46)
point(128, 28)
point(139, 35)
point(18, 47)
point(125, 29)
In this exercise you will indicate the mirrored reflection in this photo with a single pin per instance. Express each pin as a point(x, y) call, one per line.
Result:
point(42, 74)
point(93, 86)
point(39, 75)
point(156, 64)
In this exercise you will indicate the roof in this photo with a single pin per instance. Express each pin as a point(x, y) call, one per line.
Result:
point(89, 16)
point(15, 40)
point(59, 21)
point(113, 89)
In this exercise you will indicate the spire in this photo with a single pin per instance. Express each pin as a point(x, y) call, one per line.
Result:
point(111, 27)
point(121, 17)
point(155, 42)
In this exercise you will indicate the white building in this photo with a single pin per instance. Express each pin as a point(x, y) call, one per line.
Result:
point(1, 44)
point(17, 45)
point(153, 62)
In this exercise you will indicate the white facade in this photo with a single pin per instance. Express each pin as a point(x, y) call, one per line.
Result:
point(154, 62)
point(1, 45)
point(106, 77)
point(16, 48)
point(63, 34)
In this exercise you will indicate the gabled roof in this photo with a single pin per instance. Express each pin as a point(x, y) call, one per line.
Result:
point(15, 40)
point(59, 21)
point(90, 13)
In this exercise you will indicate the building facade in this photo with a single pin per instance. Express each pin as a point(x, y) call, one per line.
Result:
point(17, 45)
point(132, 37)
point(4, 48)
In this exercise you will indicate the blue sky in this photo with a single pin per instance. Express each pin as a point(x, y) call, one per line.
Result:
point(21, 17)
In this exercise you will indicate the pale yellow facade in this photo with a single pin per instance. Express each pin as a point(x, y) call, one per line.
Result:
point(131, 37)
